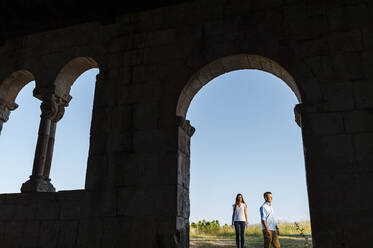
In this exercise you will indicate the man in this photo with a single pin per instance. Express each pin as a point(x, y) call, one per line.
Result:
point(269, 223)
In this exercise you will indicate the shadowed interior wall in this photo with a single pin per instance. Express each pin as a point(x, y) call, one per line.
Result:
point(136, 191)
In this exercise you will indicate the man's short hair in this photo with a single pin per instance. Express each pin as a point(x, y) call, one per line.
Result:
point(266, 193)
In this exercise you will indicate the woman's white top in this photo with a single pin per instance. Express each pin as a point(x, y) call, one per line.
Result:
point(239, 214)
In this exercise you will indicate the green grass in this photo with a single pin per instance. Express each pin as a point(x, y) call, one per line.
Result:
point(290, 236)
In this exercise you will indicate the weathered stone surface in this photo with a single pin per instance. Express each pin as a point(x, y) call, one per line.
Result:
point(68, 234)
point(50, 231)
point(151, 64)
point(364, 153)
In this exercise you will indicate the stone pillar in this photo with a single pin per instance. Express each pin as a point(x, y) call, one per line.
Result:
point(186, 131)
point(52, 109)
point(52, 134)
point(332, 172)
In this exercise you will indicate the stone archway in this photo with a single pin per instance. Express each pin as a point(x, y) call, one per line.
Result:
point(70, 72)
point(228, 64)
point(54, 101)
point(186, 130)
point(9, 90)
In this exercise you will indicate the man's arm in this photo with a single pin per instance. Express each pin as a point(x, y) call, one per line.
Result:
point(263, 217)
point(265, 225)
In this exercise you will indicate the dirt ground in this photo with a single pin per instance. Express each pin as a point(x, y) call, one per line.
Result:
point(250, 242)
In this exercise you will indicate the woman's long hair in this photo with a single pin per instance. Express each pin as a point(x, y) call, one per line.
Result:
point(243, 201)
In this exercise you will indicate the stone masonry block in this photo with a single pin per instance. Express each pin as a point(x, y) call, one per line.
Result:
point(154, 140)
point(146, 116)
point(103, 203)
point(163, 54)
point(98, 144)
point(338, 96)
point(183, 170)
point(322, 123)
point(13, 233)
point(96, 167)
point(349, 66)
point(7, 211)
point(119, 142)
point(48, 210)
point(329, 153)
point(30, 234)
point(147, 201)
point(365, 188)
point(363, 90)
point(138, 74)
point(146, 169)
point(336, 187)
point(204, 75)
point(68, 233)
point(364, 146)
point(358, 121)
point(49, 231)
point(25, 211)
point(350, 41)
point(90, 233)
point(121, 118)
point(133, 57)
point(322, 68)
point(161, 37)
point(183, 203)
point(235, 62)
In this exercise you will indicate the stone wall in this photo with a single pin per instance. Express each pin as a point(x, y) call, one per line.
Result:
point(137, 182)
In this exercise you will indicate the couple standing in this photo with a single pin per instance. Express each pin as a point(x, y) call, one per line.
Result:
point(268, 221)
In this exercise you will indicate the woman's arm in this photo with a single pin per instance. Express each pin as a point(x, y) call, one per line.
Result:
point(247, 222)
point(234, 208)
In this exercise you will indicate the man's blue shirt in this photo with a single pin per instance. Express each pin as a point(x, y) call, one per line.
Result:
point(267, 214)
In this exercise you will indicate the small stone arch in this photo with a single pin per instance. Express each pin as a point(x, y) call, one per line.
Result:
point(12, 85)
point(228, 64)
point(70, 72)
point(54, 100)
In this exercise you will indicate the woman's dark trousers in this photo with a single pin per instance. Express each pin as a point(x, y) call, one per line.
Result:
point(239, 226)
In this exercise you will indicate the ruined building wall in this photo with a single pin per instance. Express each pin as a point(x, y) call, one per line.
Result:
point(137, 181)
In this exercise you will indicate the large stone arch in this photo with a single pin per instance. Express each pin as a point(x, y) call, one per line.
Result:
point(185, 130)
point(228, 64)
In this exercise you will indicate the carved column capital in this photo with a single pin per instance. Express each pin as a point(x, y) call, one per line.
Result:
point(53, 108)
point(4, 113)
point(302, 108)
point(185, 125)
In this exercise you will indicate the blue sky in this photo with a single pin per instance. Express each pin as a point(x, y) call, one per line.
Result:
point(246, 141)
point(19, 136)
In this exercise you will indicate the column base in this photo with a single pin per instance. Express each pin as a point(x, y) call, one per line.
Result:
point(37, 184)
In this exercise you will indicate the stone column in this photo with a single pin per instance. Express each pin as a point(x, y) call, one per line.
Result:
point(185, 133)
point(37, 182)
point(52, 134)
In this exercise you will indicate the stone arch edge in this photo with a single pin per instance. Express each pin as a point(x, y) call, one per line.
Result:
point(227, 64)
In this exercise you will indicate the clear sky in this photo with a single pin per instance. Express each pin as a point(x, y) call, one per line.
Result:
point(246, 141)
point(19, 136)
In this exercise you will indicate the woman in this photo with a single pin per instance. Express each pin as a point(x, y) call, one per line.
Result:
point(239, 220)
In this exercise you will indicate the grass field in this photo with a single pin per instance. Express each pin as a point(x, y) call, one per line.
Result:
point(290, 236)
